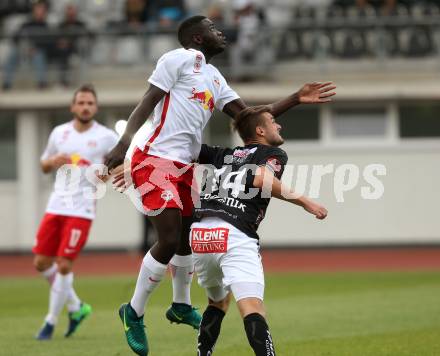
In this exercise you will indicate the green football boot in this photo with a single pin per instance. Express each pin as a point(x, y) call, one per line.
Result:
point(134, 329)
point(184, 314)
point(75, 318)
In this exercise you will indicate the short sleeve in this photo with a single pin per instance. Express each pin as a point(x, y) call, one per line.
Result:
point(167, 71)
point(274, 159)
point(112, 140)
point(209, 154)
point(226, 94)
point(51, 148)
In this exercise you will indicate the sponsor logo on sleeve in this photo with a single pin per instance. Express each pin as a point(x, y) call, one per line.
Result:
point(274, 164)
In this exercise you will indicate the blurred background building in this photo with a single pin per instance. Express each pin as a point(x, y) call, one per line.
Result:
point(384, 56)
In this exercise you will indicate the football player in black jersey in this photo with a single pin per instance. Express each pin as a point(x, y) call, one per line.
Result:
point(224, 240)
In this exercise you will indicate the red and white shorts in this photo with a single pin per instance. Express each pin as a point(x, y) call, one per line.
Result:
point(60, 235)
point(163, 183)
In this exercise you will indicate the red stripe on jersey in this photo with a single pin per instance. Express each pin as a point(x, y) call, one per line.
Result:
point(162, 121)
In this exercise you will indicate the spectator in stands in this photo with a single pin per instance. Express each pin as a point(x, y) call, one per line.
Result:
point(248, 49)
point(129, 45)
point(135, 18)
point(166, 13)
point(364, 8)
point(136, 12)
point(13, 7)
point(71, 32)
point(37, 34)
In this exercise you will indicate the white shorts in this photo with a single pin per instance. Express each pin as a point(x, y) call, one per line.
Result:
point(226, 258)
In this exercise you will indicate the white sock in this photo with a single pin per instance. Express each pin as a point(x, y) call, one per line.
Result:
point(182, 270)
point(150, 275)
point(50, 273)
point(58, 296)
point(73, 301)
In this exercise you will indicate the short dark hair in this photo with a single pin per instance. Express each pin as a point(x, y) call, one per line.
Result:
point(85, 88)
point(247, 120)
point(39, 3)
point(187, 29)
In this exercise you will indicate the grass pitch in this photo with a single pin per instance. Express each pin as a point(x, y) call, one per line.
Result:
point(365, 314)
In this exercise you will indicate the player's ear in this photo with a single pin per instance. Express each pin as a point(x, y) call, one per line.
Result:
point(198, 39)
point(259, 130)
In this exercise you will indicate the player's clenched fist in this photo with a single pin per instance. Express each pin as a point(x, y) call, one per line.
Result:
point(116, 156)
point(318, 210)
point(59, 160)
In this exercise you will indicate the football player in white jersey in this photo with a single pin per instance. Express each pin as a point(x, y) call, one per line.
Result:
point(74, 146)
point(184, 90)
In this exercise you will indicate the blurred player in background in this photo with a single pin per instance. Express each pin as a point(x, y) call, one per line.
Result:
point(184, 90)
point(69, 214)
point(224, 241)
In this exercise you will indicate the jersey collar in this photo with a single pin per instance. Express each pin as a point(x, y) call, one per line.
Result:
point(198, 52)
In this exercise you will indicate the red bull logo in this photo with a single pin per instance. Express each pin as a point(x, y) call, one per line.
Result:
point(77, 160)
point(205, 98)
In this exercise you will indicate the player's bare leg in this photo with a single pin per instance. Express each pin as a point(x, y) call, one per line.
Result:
point(253, 313)
point(210, 325)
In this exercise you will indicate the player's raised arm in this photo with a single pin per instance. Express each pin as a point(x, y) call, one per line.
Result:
point(265, 179)
point(135, 121)
point(234, 107)
point(310, 93)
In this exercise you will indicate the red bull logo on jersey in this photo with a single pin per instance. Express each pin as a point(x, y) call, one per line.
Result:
point(77, 160)
point(205, 98)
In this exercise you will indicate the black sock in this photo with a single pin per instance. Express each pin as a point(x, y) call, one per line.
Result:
point(258, 335)
point(209, 330)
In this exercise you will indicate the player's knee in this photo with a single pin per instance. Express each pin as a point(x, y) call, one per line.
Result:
point(64, 266)
point(222, 304)
point(248, 306)
point(41, 263)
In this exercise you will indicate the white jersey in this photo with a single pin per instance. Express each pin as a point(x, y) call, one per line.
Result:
point(84, 148)
point(193, 89)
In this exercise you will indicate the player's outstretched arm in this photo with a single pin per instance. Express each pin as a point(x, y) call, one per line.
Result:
point(264, 179)
point(52, 163)
point(310, 93)
point(135, 121)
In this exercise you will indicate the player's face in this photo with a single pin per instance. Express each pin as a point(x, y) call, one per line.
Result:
point(213, 39)
point(84, 107)
point(272, 130)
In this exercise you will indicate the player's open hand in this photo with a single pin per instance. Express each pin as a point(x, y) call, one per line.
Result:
point(318, 210)
point(122, 177)
point(316, 93)
point(116, 156)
